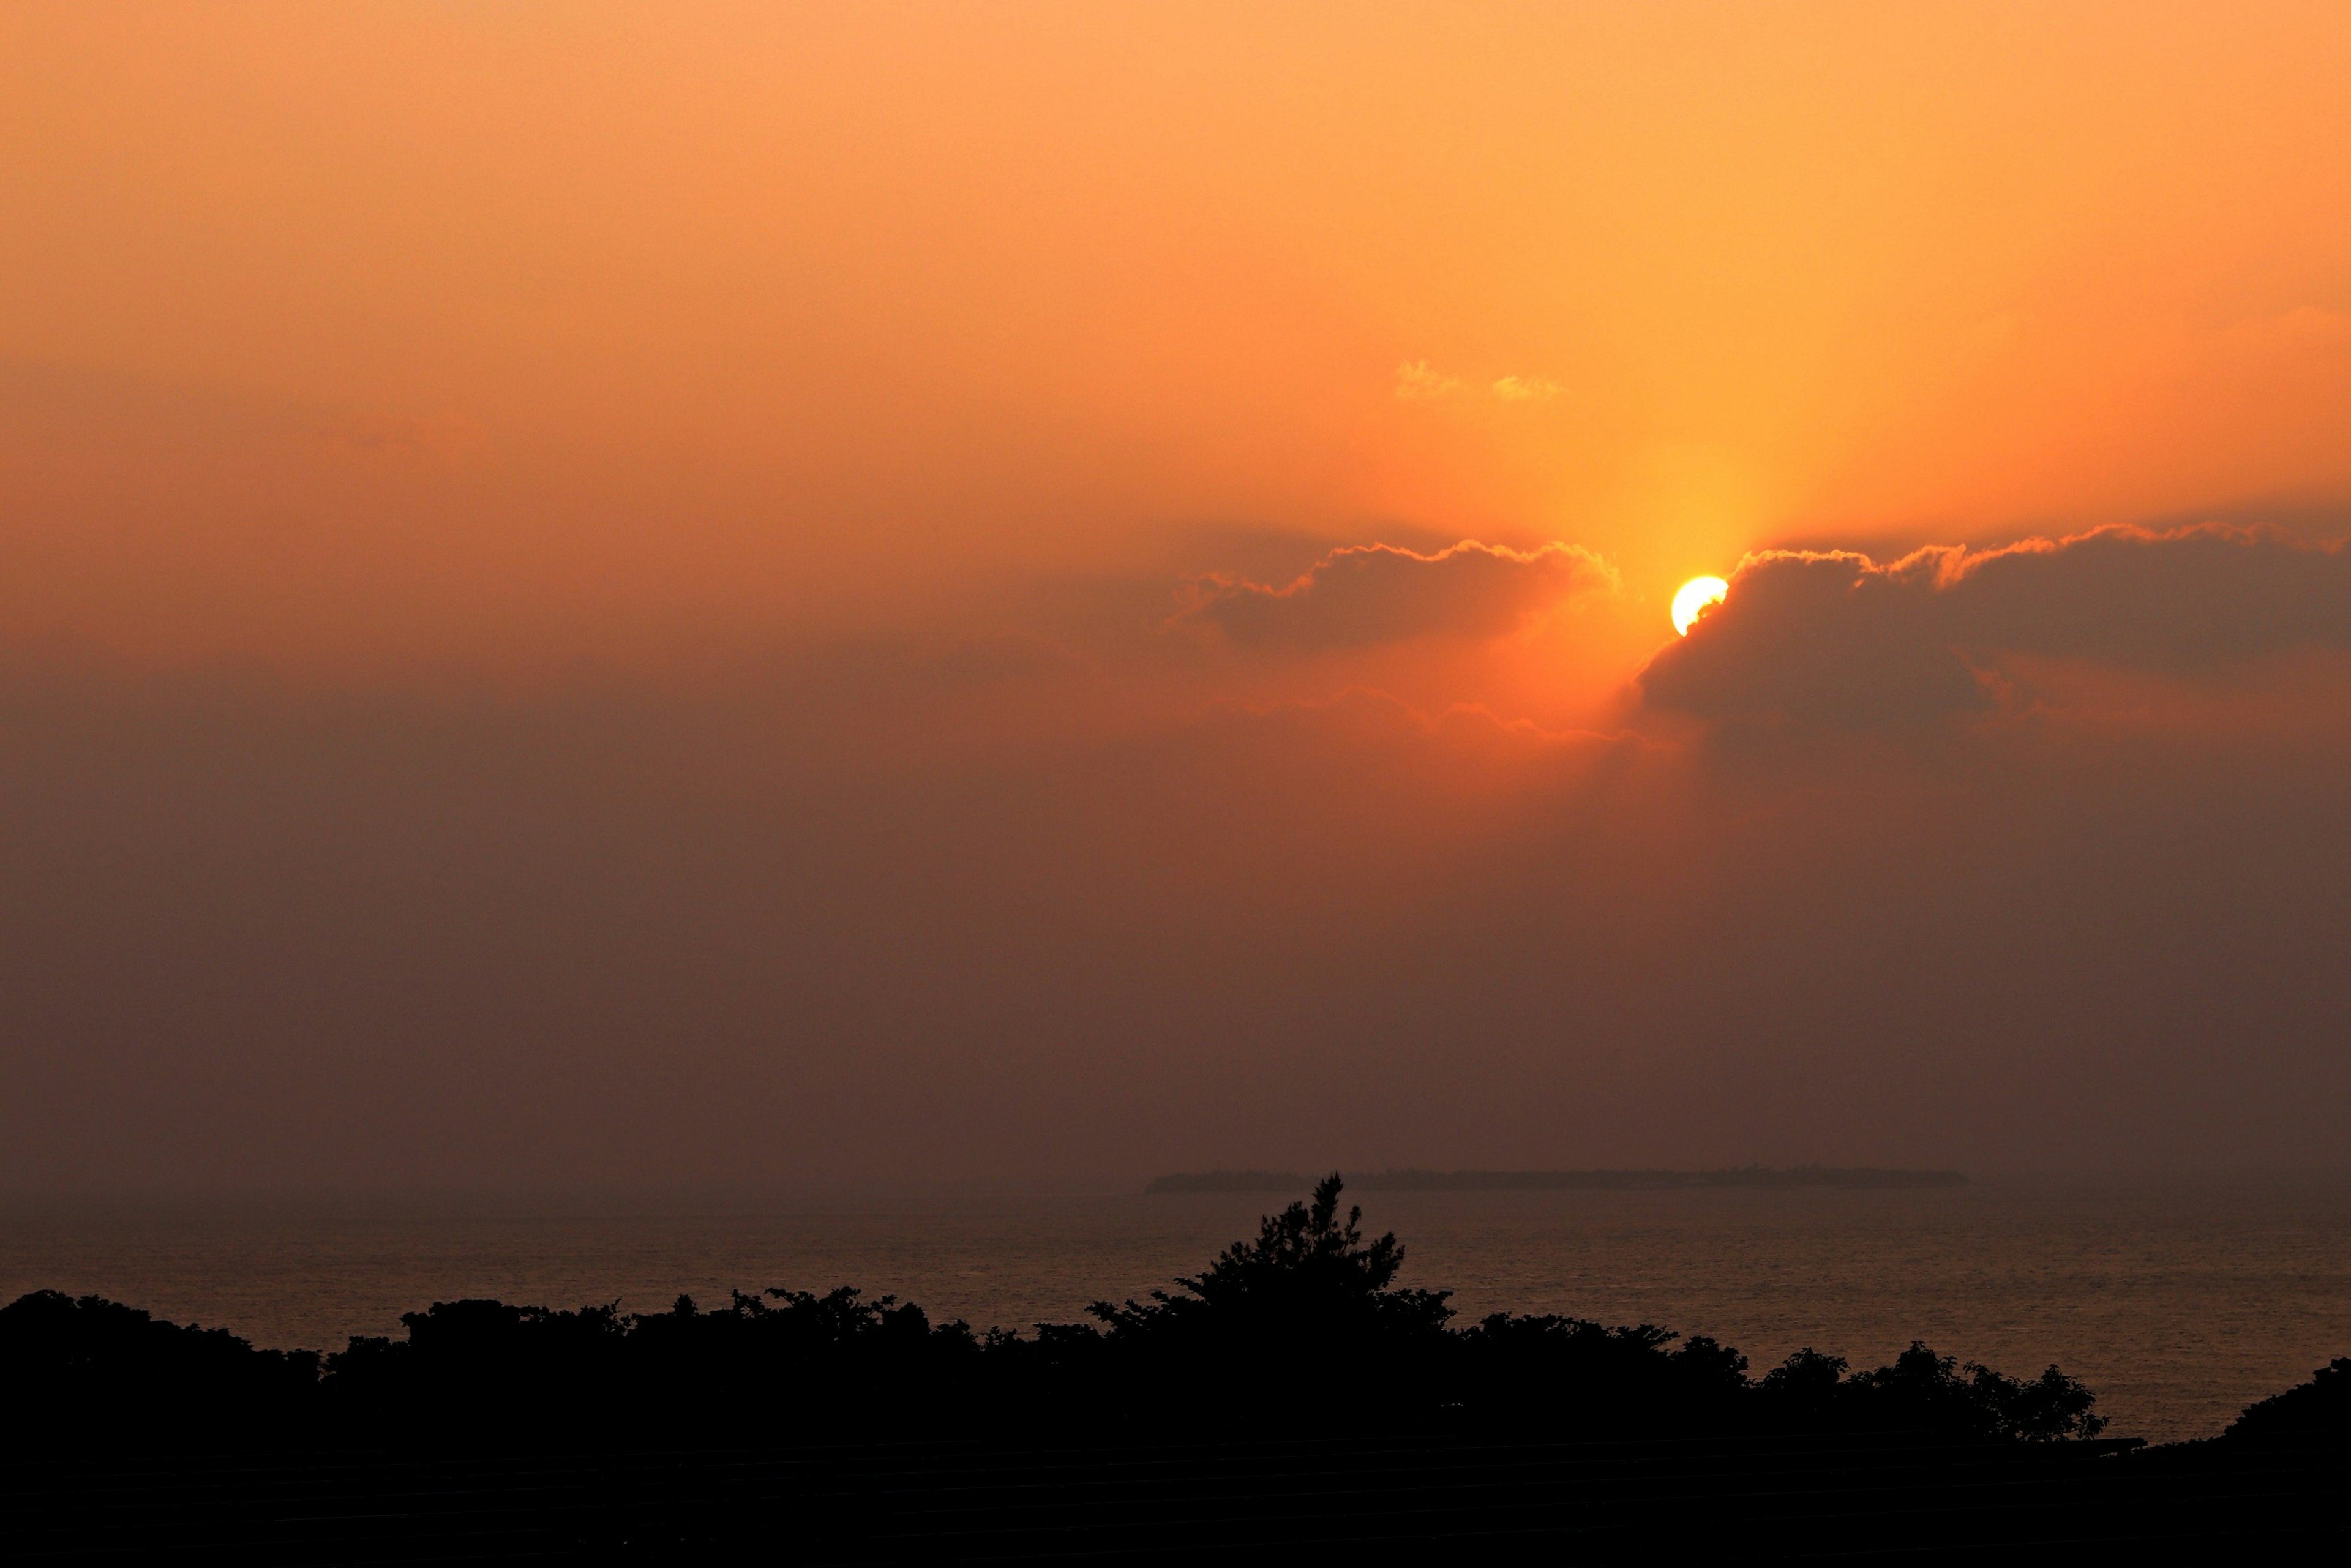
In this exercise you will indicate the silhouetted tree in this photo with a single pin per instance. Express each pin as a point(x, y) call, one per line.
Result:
point(1804, 1393)
point(1931, 1394)
point(1303, 1324)
point(1307, 1270)
point(2318, 1409)
point(89, 1362)
point(1586, 1378)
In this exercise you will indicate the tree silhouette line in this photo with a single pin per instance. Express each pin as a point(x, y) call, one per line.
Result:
point(1302, 1328)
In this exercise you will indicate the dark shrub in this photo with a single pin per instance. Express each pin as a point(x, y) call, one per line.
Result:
point(91, 1365)
point(2315, 1411)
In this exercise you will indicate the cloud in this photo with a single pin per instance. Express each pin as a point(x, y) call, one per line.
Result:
point(1834, 637)
point(1525, 389)
point(1416, 383)
point(1367, 594)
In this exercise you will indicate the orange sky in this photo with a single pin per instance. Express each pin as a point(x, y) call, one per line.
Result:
point(736, 592)
point(516, 334)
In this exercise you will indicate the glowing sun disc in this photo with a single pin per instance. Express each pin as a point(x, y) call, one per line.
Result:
point(1694, 598)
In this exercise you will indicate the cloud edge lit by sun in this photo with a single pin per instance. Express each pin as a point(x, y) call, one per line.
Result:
point(1694, 599)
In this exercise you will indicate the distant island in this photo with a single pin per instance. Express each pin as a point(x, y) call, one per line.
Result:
point(1849, 1177)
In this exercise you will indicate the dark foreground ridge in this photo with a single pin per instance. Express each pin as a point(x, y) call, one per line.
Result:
point(1851, 1176)
point(1291, 1397)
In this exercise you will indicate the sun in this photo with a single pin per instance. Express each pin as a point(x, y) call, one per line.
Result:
point(1694, 598)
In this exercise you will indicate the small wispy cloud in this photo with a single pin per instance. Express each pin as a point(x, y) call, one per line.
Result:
point(1525, 389)
point(1416, 383)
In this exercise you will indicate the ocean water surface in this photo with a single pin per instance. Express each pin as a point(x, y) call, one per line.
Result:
point(2178, 1304)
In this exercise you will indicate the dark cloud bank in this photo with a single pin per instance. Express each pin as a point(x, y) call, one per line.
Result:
point(1380, 593)
point(828, 924)
point(1837, 638)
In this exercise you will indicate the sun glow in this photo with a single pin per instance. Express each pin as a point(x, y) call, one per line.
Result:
point(1694, 598)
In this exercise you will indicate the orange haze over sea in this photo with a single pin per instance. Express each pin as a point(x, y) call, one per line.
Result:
point(705, 590)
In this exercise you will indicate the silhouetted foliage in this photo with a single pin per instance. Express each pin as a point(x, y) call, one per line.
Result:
point(1303, 1323)
point(1291, 1385)
point(2317, 1411)
point(872, 1364)
point(1576, 1377)
point(92, 1362)
point(1924, 1392)
point(1303, 1327)
point(1805, 1392)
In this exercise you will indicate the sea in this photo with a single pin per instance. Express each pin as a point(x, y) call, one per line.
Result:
point(2179, 1304)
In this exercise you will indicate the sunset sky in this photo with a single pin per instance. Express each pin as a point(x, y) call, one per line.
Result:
point(1036, 594)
